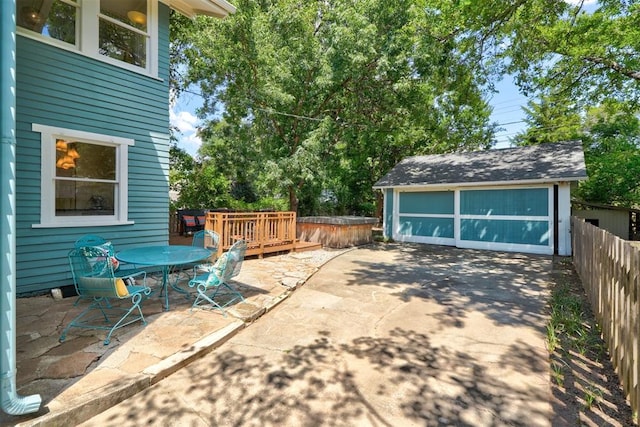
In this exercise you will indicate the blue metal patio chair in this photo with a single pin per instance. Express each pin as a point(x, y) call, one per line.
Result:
point(122, 270)
point(213, 287)
point(202, 239)
point(206, 239)
point(90, 240)
point(209, 240)
point(94, 279)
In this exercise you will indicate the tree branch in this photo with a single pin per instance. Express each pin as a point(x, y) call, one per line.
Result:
point(613, 65)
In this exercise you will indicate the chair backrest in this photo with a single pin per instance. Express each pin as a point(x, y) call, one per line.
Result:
point(93, 275)
point(90, 240)
point(235, 256)
point(206, 239)
point(228, 265)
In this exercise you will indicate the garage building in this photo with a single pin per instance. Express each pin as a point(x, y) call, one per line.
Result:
point(513, 199)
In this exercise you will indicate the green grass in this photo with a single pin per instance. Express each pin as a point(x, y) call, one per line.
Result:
point(568, 322)
point(557, 373)
point(592, 395)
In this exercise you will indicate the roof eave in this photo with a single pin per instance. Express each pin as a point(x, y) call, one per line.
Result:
point(191, 8)
point(482, 184)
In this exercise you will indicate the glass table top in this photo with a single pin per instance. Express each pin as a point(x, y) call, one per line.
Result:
point(163, 255)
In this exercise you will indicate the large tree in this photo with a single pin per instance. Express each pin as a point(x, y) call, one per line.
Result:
point(551, 119)
point(580, 62)
point(333, 93)
point(578, 50)
point(612, 154)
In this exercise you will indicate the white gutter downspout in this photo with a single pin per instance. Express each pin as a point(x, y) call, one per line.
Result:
point(11, 403)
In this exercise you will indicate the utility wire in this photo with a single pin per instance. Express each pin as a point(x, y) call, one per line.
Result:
point(316, 119)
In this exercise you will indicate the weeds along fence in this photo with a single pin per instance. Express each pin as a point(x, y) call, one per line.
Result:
point(609, 268)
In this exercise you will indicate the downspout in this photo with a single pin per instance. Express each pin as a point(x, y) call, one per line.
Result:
point(11, 403)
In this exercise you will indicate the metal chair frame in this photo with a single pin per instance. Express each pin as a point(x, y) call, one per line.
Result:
point(212, 286)
point(124, 271)
point(94, 279)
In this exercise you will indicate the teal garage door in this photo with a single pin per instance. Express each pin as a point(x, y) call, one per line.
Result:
point(506, 219)
point(426, 217)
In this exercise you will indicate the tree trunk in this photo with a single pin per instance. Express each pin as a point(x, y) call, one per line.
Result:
point(293, 200)
point(379, 206)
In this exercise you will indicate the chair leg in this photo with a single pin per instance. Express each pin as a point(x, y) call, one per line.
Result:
point(81, 320)
point(203, 298)
point(217, 292)
point(77, 321)
point(135, 299)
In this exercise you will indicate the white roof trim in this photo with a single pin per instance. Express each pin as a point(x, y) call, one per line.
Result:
point(480, 183)
point(191, 8)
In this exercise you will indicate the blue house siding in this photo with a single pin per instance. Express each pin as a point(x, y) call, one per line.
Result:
point(56, 87)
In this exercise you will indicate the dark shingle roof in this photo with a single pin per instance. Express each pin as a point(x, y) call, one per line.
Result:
point(544, 162)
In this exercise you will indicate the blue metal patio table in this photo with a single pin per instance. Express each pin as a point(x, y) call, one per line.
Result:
point(167, 256)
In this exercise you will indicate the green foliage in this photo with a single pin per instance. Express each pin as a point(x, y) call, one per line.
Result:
point(611, 139)
point(563, 48)
point(312, 98)
point(556, 372)
point(612, 155)
point(550, 119)
point(592, 395)
point(568, 328)
point(312, 102)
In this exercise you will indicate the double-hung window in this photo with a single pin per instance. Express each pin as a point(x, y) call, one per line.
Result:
point(123, 33)
point(84, 178)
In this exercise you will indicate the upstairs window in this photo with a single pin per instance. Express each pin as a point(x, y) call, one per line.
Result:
point(56, 19)
point(121, 32)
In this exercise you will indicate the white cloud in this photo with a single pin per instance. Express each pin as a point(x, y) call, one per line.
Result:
point(186, 123)
point(183, 120)
point(190, 143)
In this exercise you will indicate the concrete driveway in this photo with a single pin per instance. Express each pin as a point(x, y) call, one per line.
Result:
point(387, 335)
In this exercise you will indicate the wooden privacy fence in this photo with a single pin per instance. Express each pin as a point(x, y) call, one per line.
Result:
point(609, 268)
point(263, 231)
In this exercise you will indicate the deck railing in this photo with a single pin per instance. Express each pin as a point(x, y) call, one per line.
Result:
point(263, 231)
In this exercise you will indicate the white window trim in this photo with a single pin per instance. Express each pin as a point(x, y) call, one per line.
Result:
point(48, 219)
point(87, 38)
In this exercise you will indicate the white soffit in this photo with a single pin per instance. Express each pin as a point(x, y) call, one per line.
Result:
point(191, 8)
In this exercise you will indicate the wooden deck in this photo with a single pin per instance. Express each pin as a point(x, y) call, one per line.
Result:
point(298, 246)
point(264, 232)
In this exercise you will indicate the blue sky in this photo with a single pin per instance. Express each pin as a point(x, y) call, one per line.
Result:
point(507, 111)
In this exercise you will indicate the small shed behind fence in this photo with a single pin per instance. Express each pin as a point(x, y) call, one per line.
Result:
point(619, 221)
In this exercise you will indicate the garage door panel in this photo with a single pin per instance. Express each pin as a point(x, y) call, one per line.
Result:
point(433, 203)
point(524, 232)
point(426, 227)
point(512, 202)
